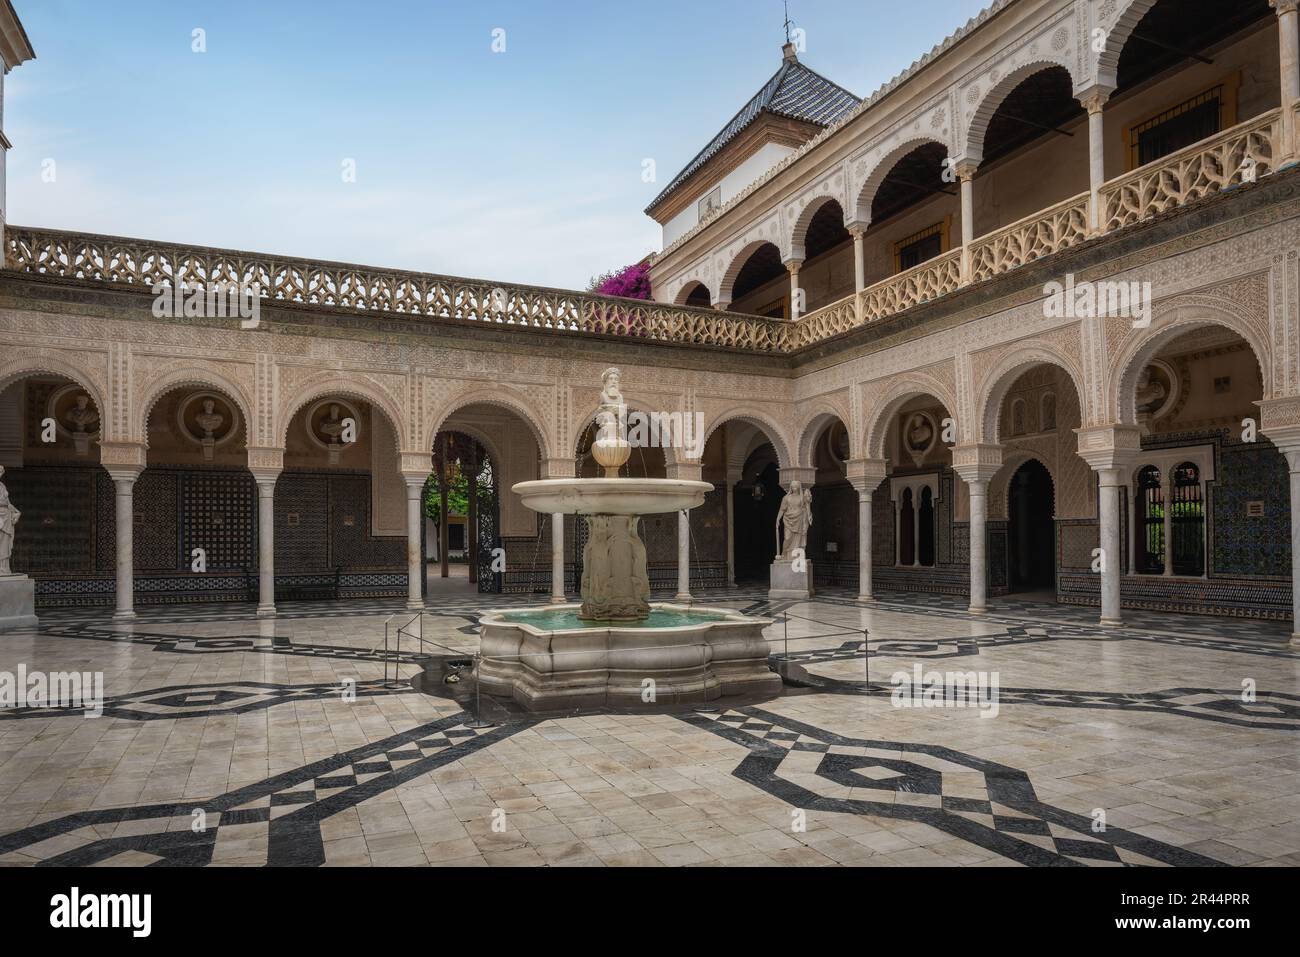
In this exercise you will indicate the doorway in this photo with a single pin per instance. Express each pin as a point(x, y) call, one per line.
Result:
point(1031, 530)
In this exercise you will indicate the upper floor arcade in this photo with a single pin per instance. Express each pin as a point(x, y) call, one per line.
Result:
point(1040, 126)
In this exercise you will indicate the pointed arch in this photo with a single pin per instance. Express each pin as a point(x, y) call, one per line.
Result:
point(871, 182)
point(902, 390)
point(1168, 322)
point(347, 387)
point(503, 398)
point(760, 421)
point(194, 377)
point(999, 380)
point(997, 95)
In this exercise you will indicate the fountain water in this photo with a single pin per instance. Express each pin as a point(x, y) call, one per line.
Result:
point(616, 647)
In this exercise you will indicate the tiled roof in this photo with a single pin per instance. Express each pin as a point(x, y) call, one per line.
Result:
point(794, 91)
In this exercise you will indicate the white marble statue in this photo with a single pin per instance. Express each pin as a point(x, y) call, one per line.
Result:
point(612, 414)
point(795, 514)
point(8, 527)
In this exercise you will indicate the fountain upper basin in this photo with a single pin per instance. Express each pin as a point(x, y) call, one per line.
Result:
point(612, 496)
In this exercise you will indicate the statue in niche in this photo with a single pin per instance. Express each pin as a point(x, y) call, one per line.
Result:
point(918, 436)
point(209, 420)
point(9, 516)
point(1151, 391)
point(82, 417)
point(795, 515)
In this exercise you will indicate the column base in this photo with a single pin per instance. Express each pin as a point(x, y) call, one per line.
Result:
point(866, 598)
point(265, 611)
point(1295, 639)
point(415, 606)
point(683, 596)
point(124, 616)
point(977, 610)
point(558, 600)
point(1111, 622)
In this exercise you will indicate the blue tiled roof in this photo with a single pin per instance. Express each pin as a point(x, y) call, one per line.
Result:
point(794, 91)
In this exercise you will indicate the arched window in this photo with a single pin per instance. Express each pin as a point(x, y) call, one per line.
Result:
point(906, 530)
point(1187, 521)
point(1150, 531)
point(925, 529)
point(1047, 413)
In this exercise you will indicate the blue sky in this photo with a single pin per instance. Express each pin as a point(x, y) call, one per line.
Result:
point(520, 166)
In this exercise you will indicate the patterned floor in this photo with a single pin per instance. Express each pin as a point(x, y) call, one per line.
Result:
point(228, 740)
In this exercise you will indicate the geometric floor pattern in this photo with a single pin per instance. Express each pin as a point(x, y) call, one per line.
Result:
point(226, 740)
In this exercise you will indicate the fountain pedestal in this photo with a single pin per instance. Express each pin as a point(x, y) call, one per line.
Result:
point(615, 584)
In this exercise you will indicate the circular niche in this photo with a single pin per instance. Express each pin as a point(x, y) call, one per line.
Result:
point(207, 418)
point(1158, 386)
point(918, 434)
point(837, 443)
point(73, 411)
point(325, 424)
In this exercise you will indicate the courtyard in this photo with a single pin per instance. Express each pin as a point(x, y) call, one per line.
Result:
point(300, 740)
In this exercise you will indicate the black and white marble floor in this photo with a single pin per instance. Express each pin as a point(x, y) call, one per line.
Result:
point(228, 740)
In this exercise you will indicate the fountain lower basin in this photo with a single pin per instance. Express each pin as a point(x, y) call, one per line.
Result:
point(548, 659)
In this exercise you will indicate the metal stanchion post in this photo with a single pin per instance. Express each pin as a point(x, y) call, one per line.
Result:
point(866, 655)
point(477, 721)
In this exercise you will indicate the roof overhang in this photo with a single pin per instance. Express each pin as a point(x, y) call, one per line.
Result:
point(15, 47)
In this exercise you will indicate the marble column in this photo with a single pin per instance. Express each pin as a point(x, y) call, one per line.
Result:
point(1111, 484)
point(1095, 103)
point(266, 542)
point(683, 556)
point(859, 257)
point(966, 174)
point(865, 475)
point(864, 547)
point(977, 464)
point(793, 266)
point(731, 528)
point(557, 559)
point(415, 567)
point(1289, 57)
point(124, 478)
point(979, 564)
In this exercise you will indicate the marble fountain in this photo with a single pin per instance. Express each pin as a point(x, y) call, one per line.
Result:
point(617, 648)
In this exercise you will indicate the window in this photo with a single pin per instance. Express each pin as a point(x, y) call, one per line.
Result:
point(1150, 522)
point(1187, 521)
point(710, 203)
point(1180, 126)
point(920, 247)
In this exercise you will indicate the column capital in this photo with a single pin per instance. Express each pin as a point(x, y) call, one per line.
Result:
point(1109, 447)
point(793, 263)
point(976, 462)
point(124, 473)
point(865, 475)
point(265, 477)
point(1094, 98)
point(559, 468)
point(415, 479)
point(1283, 7)
point(123, 454)
point(1280, 423)
point(858, 227)
point(965, 169)
point(722, 305)
point(689, 469)
point(265, 458)
point(807, 477)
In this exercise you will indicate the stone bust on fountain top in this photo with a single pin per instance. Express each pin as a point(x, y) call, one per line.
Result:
point(611, 448)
